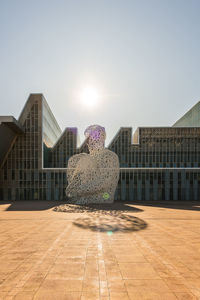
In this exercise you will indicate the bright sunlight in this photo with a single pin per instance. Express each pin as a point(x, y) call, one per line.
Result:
point(89, 97)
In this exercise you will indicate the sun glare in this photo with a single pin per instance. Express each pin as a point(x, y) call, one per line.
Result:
point(89, 97)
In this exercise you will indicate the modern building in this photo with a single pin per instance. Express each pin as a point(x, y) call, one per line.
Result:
point(156, 163)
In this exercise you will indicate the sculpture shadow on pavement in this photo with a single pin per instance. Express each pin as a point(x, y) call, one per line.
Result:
point(108, 218)
point(111, 224)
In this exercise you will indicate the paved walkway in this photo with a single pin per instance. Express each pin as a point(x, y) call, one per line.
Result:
point(118, 253)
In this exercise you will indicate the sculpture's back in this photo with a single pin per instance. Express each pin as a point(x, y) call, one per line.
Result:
point(93, 178)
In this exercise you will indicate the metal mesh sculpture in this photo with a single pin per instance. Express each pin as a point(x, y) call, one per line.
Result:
point(93, 177)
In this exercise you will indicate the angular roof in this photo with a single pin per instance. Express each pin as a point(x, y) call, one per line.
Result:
point(12, 123)
point(190, 118)
point(9, 129)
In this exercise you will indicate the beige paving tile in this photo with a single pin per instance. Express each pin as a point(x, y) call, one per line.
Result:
point(90, 285)
point(138, 271)
point(154, 285)
point(11, 281)
point(114, 275)
point(130, 258)
point(176, 285)
point(149, 295)
point(119, 296)
point(24, 296)
point(91, 270)
point(90, 295)
point(134, 296)
point(116, 285)
point(66, 271)
point(186, 296)
point(3, 294)
point(58, 295)
point(68, 285)
point(195, 292)
point(193, 283)
point(62, 259)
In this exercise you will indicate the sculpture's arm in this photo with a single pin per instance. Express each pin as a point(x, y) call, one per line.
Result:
point(72, 165)
point(73, 186)
point(97, 179)
point(78, 168)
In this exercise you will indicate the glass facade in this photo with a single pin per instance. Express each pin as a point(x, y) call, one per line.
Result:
point(156, 163)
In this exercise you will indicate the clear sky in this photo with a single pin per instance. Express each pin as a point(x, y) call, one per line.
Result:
point(142, 58)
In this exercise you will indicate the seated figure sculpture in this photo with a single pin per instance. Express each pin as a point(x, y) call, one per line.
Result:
point(93, 177)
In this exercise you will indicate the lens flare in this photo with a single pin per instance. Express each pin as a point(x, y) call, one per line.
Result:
point(106, 196)
point(109, 233)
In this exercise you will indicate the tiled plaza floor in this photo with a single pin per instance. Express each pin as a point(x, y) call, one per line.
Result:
point(118, 253)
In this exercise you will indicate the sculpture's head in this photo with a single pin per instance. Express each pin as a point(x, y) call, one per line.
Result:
point(96, 137)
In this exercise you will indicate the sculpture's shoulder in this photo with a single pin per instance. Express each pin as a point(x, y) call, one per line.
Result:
point(111, 153)
point(76, 157)
point(79, 155)
point(110, 158)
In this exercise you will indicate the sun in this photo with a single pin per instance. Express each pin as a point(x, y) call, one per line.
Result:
point(89, 97)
